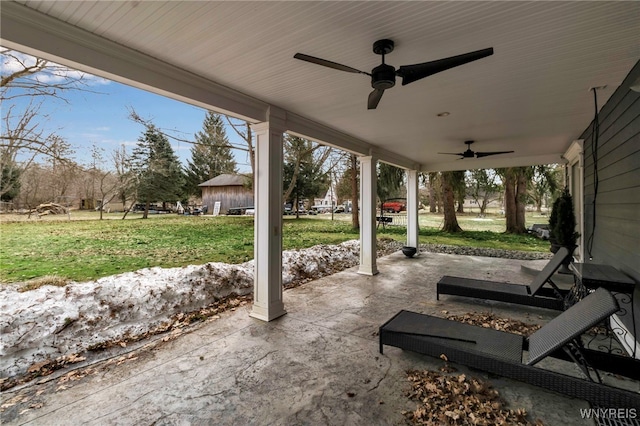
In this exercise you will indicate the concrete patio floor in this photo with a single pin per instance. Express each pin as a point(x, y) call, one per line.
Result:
point(319, 364)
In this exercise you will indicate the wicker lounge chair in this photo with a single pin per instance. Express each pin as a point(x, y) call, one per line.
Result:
point(535, 294)
point(502, 353)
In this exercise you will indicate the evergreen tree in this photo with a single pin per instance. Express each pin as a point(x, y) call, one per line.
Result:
point(390, 180)
point(304, 175)
point(157, 168)
point(211, 155)
point(9, 179)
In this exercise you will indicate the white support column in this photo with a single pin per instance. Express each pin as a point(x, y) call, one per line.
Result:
point(267, 288)
point(412, 210)
point(368, 181)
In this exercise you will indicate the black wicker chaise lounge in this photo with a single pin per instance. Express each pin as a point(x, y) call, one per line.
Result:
point(503, 353)
point(535, 294)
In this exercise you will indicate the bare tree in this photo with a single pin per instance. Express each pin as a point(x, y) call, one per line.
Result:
point(104, 184)
point(23, 137)
point(544, 184)
point(483, 187)
point(32, 191)
point(63, 169)
point(243, 129)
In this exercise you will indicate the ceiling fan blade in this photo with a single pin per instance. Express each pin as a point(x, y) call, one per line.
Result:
point(374, 98)
point(452, 153)
point(326, 63)
point(411, 73)
point(484, 154)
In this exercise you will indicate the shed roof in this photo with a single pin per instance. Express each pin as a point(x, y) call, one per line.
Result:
point(226, 180)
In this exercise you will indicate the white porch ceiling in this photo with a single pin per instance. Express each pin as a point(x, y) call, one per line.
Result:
point(532, 96)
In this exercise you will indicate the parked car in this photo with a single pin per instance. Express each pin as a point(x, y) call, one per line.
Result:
point(339, 209)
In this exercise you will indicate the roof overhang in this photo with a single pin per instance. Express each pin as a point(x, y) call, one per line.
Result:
point(532, 96)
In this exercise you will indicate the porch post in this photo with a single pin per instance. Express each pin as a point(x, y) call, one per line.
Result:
point(412, 210)
point(368, 181)
point(267, 287)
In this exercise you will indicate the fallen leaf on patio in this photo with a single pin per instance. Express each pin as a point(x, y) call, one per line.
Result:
point(452, 400)
point(489, 320)
point(13, 401)
point(448, 369)
point(454, 415)
point(36, 367)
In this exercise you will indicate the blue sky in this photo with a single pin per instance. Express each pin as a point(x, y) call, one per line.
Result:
point(100, 117)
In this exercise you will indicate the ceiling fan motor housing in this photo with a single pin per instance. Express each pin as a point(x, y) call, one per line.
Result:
point(383, 77)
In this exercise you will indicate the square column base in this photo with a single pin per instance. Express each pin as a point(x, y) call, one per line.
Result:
point(268, 313)
point(368, 271)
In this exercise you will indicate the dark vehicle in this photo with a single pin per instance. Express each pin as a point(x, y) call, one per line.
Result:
point(237, 211)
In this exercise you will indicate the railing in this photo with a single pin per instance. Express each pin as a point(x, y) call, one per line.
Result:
point(392, 219)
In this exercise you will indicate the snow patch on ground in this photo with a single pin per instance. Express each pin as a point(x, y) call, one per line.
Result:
point(50, 322)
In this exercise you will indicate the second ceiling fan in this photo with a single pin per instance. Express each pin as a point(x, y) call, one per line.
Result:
point(470, 154)
point(384, 76)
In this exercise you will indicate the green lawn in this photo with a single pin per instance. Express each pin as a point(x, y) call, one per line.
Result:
point(87, 249)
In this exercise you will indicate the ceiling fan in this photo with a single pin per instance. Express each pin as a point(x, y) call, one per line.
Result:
point(470, 154)
point(384, 76)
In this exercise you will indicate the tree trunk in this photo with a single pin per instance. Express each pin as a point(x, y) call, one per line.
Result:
point(450, 220)
point(521, 200)
point(127, 210)
point(460, 204)
point(510, 202)
point(355, 205)
point(432, 193)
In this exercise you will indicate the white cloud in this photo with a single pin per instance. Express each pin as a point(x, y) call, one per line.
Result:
point(59, 73)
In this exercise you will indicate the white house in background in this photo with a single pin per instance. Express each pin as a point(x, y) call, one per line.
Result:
point(327, 203)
